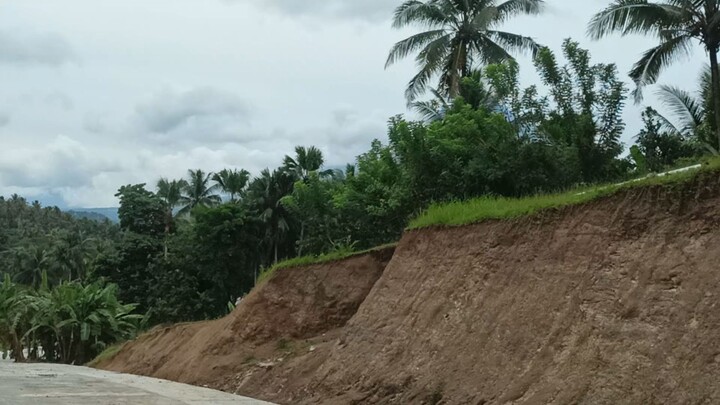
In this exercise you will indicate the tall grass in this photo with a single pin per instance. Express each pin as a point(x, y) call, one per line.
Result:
point(484, 208)
point(340, 254)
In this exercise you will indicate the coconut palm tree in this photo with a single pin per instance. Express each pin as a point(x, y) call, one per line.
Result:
point(198, 191)
point(306, 161)
point(265, 195)
point(473, 90)
point(460, 33)
point(690, 112)
point(13, 316)
point(29, 263)
point(677, 24)
point(232, 182)
point(171, 191)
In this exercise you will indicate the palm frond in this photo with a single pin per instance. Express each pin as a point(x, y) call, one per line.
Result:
point(430, 61)
point(512, 8)
point(706, 83)
point(647, 70)
point(688, 110)
point(515, 43)
point(429, 111)
point(485, 19)
point(635, 16)
point(423, 12)
point(490, 51)
point(403, 48)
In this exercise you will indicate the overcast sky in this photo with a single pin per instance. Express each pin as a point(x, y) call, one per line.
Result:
point(95, 94)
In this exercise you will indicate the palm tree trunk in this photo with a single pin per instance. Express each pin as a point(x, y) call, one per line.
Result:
point(302, 235)
point(17, 348)
point(715, 72)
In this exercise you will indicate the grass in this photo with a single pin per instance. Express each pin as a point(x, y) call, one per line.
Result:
point(106, 354)
point(309, 260)
point(485, 208)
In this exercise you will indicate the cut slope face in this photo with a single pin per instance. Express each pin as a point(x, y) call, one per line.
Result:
point(294, 304)
point(616, 301)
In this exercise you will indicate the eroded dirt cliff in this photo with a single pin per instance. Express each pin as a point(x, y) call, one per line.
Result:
point(615, 301)
point(287, 316)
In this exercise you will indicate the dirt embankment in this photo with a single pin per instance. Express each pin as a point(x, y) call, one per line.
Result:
point(613, 302)
point(292, 312)
point(616, 302)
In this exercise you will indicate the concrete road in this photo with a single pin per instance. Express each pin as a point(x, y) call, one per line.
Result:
point(51, 384)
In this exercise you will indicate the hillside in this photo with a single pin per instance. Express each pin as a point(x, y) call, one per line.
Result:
point(292, 312)
point(609, 301)
point(96, 214)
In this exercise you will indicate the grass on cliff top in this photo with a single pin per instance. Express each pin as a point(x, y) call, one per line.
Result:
point(485, 208)
point(106, 354)
point(319, 259)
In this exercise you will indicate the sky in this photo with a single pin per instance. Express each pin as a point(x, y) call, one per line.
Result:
point(95, 94)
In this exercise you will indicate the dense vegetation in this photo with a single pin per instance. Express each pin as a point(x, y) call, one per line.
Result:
point(186, 249)
point(51, 300)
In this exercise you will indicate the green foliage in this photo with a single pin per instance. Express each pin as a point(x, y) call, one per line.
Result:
point(480, 209)
point(312, 201)
point(587, 110)
point(198, 191)
point(339, 254)
point(141, 211)
point(69, 323)
point(676, 25)
point(36, 240)
point(375, 203)
point(661, 149)
point(232, 182)
point(458, 34)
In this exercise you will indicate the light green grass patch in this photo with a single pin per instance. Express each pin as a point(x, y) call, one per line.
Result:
point(106, 354)
point(310, 260)
point(486, 208)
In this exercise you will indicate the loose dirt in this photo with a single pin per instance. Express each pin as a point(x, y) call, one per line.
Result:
point(613, 302)
point(291, 314)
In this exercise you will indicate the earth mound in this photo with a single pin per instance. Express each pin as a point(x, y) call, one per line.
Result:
point(292, 310)
point(613, 301)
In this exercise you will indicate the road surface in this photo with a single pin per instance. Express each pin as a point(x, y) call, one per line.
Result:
point(51, 384)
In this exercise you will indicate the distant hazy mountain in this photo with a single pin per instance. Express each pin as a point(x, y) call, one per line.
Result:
point(97, 214)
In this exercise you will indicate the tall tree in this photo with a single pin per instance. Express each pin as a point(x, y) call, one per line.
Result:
point(171, 191)
point(677, 24)
point(198, 191)
point(232, 182)
point(306, 161)
point(460, 33)
point(265, 198)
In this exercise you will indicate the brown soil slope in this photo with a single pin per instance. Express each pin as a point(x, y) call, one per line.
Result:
point(292, 306)
point(613, 302)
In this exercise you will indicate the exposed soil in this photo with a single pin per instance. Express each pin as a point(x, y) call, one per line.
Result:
point(291, 314)
point(613, 302)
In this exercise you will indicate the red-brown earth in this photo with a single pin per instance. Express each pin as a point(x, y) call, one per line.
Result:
point(616, 301)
